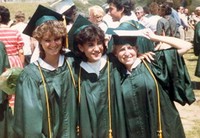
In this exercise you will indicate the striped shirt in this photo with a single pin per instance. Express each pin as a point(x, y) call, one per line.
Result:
point(13, 43)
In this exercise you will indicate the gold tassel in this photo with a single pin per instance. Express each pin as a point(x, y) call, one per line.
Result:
point(158, 98)
point(110, 133)
point(65, 23)
point(77, 130)
point(159, 133)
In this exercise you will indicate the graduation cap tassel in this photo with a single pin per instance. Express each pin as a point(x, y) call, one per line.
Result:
point(47, 103)
point(110, 133)
point(79, 102)
point(109, 103)
point(159, 131)
point(65, 23)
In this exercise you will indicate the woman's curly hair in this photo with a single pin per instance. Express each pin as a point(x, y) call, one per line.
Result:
point(55, 28)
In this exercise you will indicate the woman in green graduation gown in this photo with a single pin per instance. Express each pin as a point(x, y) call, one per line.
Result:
point(99, 90)
point(150, 89)
point(6, 116)
point(45, 93)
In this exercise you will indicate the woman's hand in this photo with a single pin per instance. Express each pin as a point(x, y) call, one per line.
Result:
point(147, 56)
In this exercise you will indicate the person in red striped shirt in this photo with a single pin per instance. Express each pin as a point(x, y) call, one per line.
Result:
point(12, 39)
point(14, 48)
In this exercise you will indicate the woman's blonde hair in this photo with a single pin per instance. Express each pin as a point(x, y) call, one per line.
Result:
point(55, 28)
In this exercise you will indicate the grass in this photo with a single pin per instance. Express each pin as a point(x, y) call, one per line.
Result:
point(191, 60)
point(195, 132)
point(27, 8)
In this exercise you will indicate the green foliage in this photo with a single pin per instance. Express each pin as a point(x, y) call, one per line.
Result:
point(8, 80)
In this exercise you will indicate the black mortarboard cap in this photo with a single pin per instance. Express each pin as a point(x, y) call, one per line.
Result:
point(79, 24)
point(125, 26)
point(41, 15)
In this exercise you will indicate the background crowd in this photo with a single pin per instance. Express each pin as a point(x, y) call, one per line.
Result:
point(71, 81)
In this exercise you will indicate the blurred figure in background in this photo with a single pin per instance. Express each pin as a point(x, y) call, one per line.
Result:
point(14, 45)
point(167, 25)
point(20, 25)
point(12, 40)
point(96, 14)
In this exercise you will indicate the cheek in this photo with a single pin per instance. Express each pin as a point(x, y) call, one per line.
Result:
point(120, 55)
point(44, 44)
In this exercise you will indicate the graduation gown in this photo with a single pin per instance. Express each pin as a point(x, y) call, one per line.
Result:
point(140, 97)
point(94, 106)
point(196, 44)
point(6, 117)
point(31, 110)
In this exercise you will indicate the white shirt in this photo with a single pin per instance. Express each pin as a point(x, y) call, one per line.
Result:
point(45, 65)
point(94, 67)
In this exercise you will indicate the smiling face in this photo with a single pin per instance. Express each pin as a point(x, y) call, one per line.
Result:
point(115, 13)
point(51, 37)
point(126, 54)
point(51, 44)
point(92, 50)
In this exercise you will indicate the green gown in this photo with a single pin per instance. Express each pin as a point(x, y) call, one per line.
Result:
point(6, 116)
point(94, 111)
point(140, 98)
point(196, 44)
point(30, 105)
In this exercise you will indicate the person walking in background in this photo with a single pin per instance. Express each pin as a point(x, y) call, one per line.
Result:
point(99, 91)
point(12, 40)
point(139, 11)
point(96, 14)
point(150, 89)
point(184, 23)
point(121, 10)
point(45, 92)
point(167, 25)
point(20, 25)
point(153, 15)
point(197, 15)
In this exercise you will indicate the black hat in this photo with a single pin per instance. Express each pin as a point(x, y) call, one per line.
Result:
point(41, 15)
point(79, 24)
point(62, 6)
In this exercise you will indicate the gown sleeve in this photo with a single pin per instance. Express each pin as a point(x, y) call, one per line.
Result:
point(4, 63)
point(176, 79)
point(26, 124)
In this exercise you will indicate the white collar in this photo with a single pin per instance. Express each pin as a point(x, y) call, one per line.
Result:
point(45, 65)
point(94, 67)
point(125, 18)
point(135, 64)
